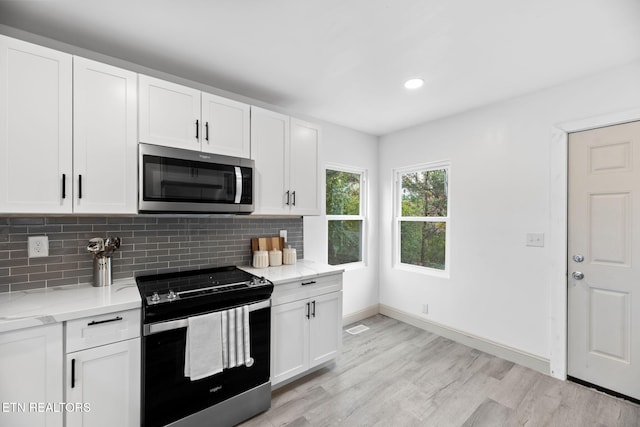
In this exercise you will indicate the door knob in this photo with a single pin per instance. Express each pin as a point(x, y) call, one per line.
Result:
point(577, 275)
point(578, 258)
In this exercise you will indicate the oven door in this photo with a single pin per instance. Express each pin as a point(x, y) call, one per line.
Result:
point(169, 396)
point(173, 180)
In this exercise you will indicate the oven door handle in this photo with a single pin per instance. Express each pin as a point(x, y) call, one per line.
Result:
point(155, 328)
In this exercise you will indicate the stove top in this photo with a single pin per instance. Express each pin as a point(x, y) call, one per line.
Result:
point(186, 293)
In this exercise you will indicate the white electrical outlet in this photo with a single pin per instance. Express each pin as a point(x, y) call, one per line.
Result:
point(535, 239)
point(38, 246)
point(425, 308)
point(283, 233)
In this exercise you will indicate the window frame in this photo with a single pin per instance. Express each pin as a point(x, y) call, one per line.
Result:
point(398, 218)
point(361, 217)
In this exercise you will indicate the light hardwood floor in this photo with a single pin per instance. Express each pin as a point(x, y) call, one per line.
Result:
point(395, 374)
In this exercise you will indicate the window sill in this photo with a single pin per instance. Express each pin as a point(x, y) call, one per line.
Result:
point(444, 274)
point(352, 266)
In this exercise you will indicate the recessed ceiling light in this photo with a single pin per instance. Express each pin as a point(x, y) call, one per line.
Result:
point(413, 83)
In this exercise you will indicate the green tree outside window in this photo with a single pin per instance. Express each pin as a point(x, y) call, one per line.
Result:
point(423, 219)
point(344, 215)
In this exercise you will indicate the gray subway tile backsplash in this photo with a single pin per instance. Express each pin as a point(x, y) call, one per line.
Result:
point(150, 244)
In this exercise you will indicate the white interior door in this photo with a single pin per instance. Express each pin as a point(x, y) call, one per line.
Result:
point(604, 252)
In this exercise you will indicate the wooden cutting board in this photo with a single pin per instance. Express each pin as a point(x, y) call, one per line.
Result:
point(266, 243)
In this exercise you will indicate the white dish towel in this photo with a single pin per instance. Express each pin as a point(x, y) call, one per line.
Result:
point(203, 349)
point(236, 338)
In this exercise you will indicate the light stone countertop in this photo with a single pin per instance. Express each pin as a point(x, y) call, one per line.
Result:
point(23, 309)
point(36, 307)
point(301, 270)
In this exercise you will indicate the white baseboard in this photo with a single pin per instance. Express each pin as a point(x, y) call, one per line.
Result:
point(360, 315)
point(520, 357)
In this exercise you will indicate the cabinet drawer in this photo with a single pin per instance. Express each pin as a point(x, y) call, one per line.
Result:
point(307, 288)
point(102, 329)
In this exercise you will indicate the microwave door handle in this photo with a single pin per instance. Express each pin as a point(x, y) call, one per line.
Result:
point(238, 184)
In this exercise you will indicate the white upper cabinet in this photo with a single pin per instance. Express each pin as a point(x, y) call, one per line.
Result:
point(287, 172)
point(304, 168)
point(182, 117)
point(270, 151)
point(169, 114)
point(35, 128)
point(105, 138)
point(67, 133)
point(226, 126)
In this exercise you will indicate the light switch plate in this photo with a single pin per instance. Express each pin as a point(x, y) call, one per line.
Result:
point(38, 246)
point(283, 234)
point(535, 239)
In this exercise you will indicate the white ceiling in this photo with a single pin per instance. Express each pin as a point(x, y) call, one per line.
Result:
point(345, 61)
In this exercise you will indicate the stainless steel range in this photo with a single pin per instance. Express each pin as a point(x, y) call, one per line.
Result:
point(242, 389)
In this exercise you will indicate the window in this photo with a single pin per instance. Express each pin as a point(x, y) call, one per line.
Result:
point(422, 218)
point(345, 214)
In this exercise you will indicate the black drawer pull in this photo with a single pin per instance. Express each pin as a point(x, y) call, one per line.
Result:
point(64, 185)
point(308, 283)
point(115, 319)
point(73, 373)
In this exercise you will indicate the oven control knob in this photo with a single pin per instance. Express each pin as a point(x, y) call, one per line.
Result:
point(263, 280)
point(172, 295)
point(155, 297)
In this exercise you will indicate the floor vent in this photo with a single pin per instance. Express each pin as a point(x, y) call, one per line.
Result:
point(357, 329)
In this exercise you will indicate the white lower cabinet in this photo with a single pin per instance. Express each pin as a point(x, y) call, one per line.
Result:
point(325, 328)
point(306, 326)
point(106, 380)
point(289, 340)
point(103, 377)
point(31, 377)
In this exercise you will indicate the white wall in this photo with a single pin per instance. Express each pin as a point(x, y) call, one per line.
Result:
point(500, 156)
point(351, 148)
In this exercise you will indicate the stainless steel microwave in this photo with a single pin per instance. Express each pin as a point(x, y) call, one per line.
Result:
point(174, 180)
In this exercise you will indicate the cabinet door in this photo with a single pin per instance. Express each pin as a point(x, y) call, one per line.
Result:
point(107, 380)
point(169, 114)
point(289, 340)
point(31, 373)
point(305, 173)
point(105, 138)
point(35, 128)
point(325, 336)
point(225, 126)
point(270, 151)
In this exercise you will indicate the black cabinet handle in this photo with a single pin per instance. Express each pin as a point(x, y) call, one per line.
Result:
point(294, 198)
point(79, 186)
point(99, 322)
point(287, 198)
point(308, 283)
point(73, 373)
point(308, 310)
point(197, 129)
point(206, 135)
point(314, 308)
point(64, 185)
